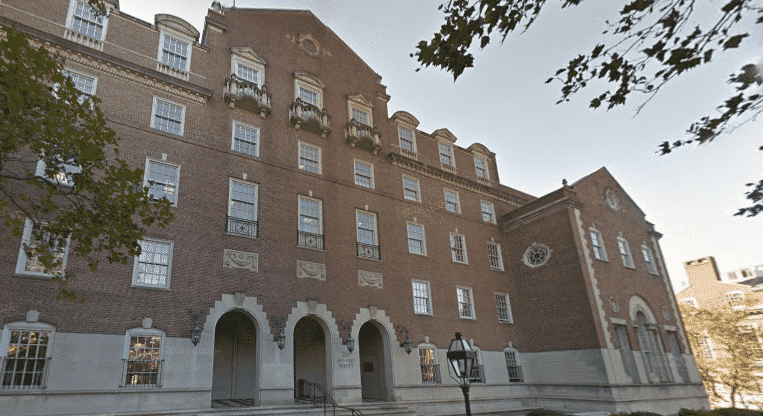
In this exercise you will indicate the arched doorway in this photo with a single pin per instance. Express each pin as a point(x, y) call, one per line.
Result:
point(235, 359)
point(373, 377)
point(309, 356)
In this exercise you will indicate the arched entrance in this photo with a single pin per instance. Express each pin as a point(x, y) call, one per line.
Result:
point(309, 356)
point(373, 378)
point(235, 360)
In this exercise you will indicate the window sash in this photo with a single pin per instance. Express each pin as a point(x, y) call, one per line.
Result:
point(310, 215)
point(416, 239)
point(309, 158)
point(457, 248)
point(502, 305)
point(162, 177)
point(242, 201)
point(174, 53)
point(309, 96)
point(421, 302)
point(364, 174)
point(625, 253)
point(487, 212)
point(168, 117)
point(598, 248)
point(32, 263)
point(143, 362)
point(406, 139)
point(465, 303)
point(246, 140)
point(360, 116)
point(649, 260)
point(87, 21)
point(26, 359)
point(428, 364)
point(247, 73)
point(446, 154)
point(494, 254)
point(480, 167)
point(82, 83)
point(451, 202)
point(153, 263)
point(411, 188)
point(366, 228)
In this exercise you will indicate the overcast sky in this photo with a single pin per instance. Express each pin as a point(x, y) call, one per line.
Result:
point(503, 103)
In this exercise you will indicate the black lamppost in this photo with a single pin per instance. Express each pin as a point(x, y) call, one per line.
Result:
point(461, 357)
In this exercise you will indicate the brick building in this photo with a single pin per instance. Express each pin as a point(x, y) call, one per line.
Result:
point(315, 234)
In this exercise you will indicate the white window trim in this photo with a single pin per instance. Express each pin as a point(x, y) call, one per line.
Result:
point(320, 156)
point(320, 212)
point(740, 300)
point(86, 75)
point(689, 301)
point(21, 260)
point(179, 37)
point(355, 173)
point(423, 238)
point(353, 104)
point(169, 266)
point(458, 200)
point(376, 226)
point(233, 138)
point(653, 269)
point(508, 309)
point(601, 241)
point(308, 83)
point(628, 251)
point(5, 340)
point(256, 195)
point(70, 18)
point(471, 303)
point(177, 177)
point(487, 167)
point(418, 188)
point(42, 166)
point(145, 332)
point(429, 297)
point(452, 166)
point(413, 137)
point(463, 242)
point(429, 346)
point(238, 60)
point(175, 103)
point(492, 211)
point(518, 363)
point(500, 256)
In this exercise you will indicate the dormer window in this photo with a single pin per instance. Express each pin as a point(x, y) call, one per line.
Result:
point(85, 25)
point(446, 155)
point(307, 112)
point(480, 168)
point(248, 65)
point(406, 133)
point(360, 131)
point(246, 86)
point(174, 52)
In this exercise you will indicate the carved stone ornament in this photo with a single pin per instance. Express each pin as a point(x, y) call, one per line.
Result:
point(370, 279)
point(614, 305)
point(306, 269)
point(233, 259)
point(665, 313)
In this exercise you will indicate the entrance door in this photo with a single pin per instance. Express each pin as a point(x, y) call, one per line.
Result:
point(235, 359)
point(309, 356)
point(372, 375)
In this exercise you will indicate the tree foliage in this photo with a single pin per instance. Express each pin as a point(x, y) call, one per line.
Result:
point(651, 43)
point(86, 194)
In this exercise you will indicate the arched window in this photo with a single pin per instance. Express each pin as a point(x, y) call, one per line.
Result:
point(652, 348)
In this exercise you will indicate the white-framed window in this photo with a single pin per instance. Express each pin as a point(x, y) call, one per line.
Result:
point(598, 245)
point(63, 177)
point(406, 139)
point(153, 267)
point(310, 215)
point(706, 347)
point(651, 267)
point(512, 365)
point(242, 207)
point(411, 189)
point(465, 302)
point(689, 301)
point(309, 90)
point(174, 51)
point(246, 139)
point(416, 241)
point(481, 168)
point(248, 70)
point(364, 174)
point(626, 352)
point(458, 248)
point(31, 265)
point(452, 202)
point(368, 243)
point(86, 20)
point(422, 297)
point(477, 374)
point(494, 255)
point(168, 117)
point(361, 114)
point(446, 155)
point(735, 299)
point(27, 351)
point(430, 370)
point(625, 253)
point(86, 84)
point(143, 355)
point(488, 212)
point(503, 306)
point(310, 158)
point(163, 179)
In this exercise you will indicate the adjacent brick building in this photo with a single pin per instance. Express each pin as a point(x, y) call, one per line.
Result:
point(316, 235)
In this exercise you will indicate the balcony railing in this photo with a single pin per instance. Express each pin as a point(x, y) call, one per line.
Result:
point(244, 94)
point(478, 374)
point(430, 373)
point(174, 72)
point(24, 373)
point(240, 226)
point(310, 240)
point(369, 251)
point(309, 117)
point(363, 136)
point(409, 154)
point(141, 373)
point(83, 39)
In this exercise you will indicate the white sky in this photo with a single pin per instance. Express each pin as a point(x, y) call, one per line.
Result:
point(503, 103)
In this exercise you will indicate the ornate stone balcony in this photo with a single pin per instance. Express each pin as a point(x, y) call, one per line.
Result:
point(166, 69)
point(83, 39)
point(363, 137)
point(244, 94)
point(309, 117)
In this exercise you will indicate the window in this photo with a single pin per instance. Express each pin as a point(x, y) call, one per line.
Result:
point(477, 374)
point(310, 158)
point(512, 366)
point(162, 180)
point(430, 370)
point(407, 140)
point(308, 95)
point(27, 355)
point(465, 304)
point(31, 265)
point(649, 260)
point(422, 298)
point(626, 352)
point(310, 226)
point(625, 253)
point(364, 174)
point(309, 90)
point(452, 203)
point(242, 208)
point(652, 349)
point(446, 155)
point(174, 52)
point(361, 115)
point(143, 358)
point(458, 248)
point(247, 69)
point(411, 189)
point(598, 245)
point(494, 254)
point(504, 308)
point(689, 301)
point(83, 83)
point(416, 244)
point(168, 117)
point(86, 20)
point(246, 139)
point(480, 168)
point(152, 268)
point(488, 212)
point(735, 299)
point(367, 241)
point(65, 172)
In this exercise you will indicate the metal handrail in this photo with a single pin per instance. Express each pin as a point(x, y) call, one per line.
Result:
point(326, 399)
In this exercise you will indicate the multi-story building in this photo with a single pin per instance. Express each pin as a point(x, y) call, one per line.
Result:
point(319, 239)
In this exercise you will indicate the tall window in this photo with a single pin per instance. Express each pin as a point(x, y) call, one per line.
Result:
point(242, 208)
point(494, 254)
point(452, 202)
point(649, 260)
point(407, 139)
point(246, 139)
point(512, 366)
point(83, 83)
point(30, 264)
point(368, 246)
point(143, 364)
point(174, 52)
point(458, 248)
point(626, 352)
point(504, 307)
point(26, 359)
point(480, 168)
point(446, 155)
point(411, 189)
point(625, 253)
point(309, 90)
point(310, 225)
point(706, 348)
point(652, 348)
point(477, 374)
point(416, 243)
point(361, 115)
point(152, 268)
point(364, 174)
point(162, 180)
point(87, 21)
point(422, 298)
point(430, 372)
point(488, 212)
point(465, 302)
point(598, 245)
point(309, 158)
point(168, 117)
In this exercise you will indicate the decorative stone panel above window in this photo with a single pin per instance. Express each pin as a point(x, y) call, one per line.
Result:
point(307, 112)
point(360, 131)
point(246, 86)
